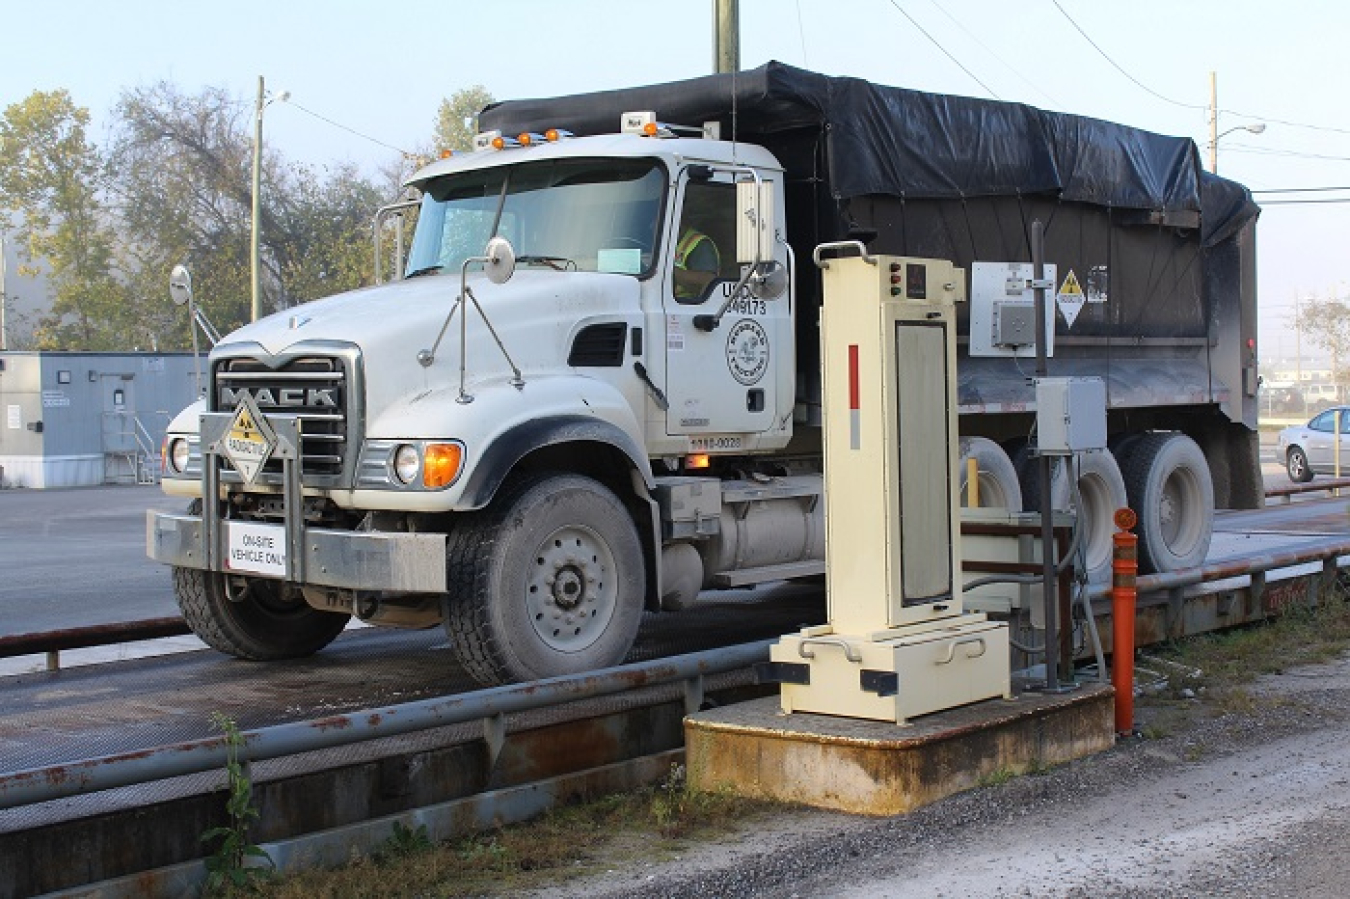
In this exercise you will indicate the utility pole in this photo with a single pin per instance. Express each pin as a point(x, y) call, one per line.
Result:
point(1213, 123)
point(257, 186)
point(726, 36)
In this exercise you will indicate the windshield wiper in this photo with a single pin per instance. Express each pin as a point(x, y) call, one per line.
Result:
point(429, 270)
point(557, 263)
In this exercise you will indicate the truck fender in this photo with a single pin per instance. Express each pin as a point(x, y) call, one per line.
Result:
point(508, 448)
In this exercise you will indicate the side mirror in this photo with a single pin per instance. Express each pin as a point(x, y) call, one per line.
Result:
point(769, 281)
point(180, 286)
point(754, 221)
point(501, 260)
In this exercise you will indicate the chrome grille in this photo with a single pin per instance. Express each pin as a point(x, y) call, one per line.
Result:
point(313, 388)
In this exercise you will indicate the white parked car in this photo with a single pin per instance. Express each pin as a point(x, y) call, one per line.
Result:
point(1311, 448)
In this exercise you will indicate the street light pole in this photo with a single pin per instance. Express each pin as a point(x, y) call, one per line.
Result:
point(1214, 133)
point(254, 237)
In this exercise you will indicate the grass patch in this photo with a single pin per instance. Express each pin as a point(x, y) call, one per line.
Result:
point(1215, 671)
point(621, 830)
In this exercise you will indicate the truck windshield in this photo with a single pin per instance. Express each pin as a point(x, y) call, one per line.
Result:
point(592, 215)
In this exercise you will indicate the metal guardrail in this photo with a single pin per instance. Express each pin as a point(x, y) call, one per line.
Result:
point(197, 756)
point(1287, 493)
point(53, 643)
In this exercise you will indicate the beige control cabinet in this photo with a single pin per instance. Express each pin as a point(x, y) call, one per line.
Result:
point(898, 643)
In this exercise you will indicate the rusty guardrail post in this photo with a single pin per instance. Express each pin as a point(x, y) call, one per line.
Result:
point(1124, 571)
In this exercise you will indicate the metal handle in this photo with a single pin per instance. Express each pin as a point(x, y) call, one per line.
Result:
point(842, 245)
point(951, 649)
point(850, 653)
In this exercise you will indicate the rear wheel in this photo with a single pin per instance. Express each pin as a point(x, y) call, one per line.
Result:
point(549, 580)
point(252, 618)
point(1168, 483)
point(1296, 463)
point(997, 485)
point(1101, 491)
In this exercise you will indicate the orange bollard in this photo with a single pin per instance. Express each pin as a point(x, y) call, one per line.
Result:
point(1124, 571)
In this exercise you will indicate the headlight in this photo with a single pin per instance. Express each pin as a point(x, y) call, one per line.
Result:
point(407, 463)
point(178, 454)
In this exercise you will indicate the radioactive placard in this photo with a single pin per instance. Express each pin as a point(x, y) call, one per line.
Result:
point(250, 440)
point(1070, 298)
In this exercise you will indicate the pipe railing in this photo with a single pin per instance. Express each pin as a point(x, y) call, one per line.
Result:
point(53, 782)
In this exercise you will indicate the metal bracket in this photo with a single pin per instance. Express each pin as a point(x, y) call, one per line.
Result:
point(882, 683)
point(783, 673)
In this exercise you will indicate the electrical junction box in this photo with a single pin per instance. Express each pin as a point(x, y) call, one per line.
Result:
point(1070, 415)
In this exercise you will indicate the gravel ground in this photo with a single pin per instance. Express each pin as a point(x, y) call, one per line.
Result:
point(1249, 803)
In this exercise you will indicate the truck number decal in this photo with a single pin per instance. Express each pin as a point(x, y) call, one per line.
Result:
point(714, 443)
point(746, 306)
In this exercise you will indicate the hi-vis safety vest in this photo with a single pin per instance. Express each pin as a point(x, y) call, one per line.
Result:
point(689, 243)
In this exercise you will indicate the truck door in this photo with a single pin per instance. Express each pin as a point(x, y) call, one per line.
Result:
point(722, 384)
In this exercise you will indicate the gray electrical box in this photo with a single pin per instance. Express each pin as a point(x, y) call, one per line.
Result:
point(1070, 415)
point(1014, 324)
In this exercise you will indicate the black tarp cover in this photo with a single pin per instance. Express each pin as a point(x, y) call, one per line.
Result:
point(915, 145)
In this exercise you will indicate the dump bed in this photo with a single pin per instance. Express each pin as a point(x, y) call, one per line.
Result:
point(1168, 249)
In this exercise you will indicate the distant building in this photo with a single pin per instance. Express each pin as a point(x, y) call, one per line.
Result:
point(83, 419)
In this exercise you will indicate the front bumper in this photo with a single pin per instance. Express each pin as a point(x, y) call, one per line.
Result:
point(395, 562)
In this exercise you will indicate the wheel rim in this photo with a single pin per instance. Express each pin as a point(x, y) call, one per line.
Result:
point(1096, 497)
point(572, 588)
point(1296, 464)
point(1179, 530)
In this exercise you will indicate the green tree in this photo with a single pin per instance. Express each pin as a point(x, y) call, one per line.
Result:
point(185, 185)
point(1326, 324)
point(51, 182)
point(457, 119)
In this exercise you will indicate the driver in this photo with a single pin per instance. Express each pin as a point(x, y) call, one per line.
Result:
point(697, 263)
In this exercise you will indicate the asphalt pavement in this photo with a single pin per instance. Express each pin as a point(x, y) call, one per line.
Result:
point(76, 557)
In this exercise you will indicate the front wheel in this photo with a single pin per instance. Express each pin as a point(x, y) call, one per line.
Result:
point(548, 580)
point(255, 618)
point(1296, 463)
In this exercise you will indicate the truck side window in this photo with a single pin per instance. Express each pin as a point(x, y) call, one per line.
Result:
point(706, 244)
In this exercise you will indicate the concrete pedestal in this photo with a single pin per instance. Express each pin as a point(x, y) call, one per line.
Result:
point(879, 768)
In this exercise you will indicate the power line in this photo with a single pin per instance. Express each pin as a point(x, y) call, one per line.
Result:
point(1299, 190)
point(1118, 67)
point(958, 62)
point(1307, 202)
point(987, 49)
point(404, 153)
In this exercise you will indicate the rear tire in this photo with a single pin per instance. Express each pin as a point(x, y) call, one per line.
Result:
point(1167, 480)
point(548, 580)
point(997, 482)
point(1296, 463)
point(266, 622)
point(1101, 491)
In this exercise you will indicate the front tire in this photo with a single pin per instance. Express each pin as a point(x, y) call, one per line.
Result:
point(263, 622)
point(549, 580)
point(1296, 463)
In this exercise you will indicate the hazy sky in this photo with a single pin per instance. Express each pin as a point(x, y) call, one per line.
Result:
point(381, 69)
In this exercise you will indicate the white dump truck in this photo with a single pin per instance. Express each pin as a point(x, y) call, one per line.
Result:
point(594, 387)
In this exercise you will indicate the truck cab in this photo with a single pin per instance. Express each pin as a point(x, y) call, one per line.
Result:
point(583, 326)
